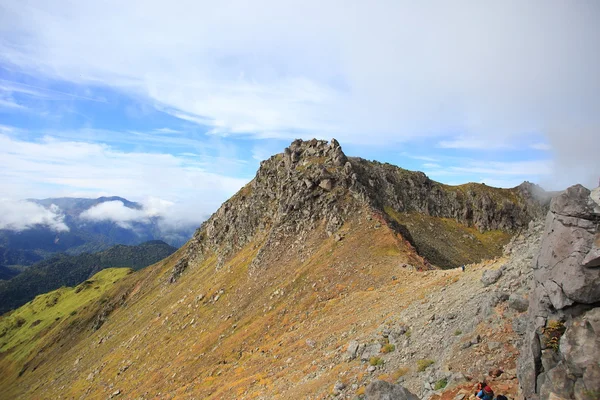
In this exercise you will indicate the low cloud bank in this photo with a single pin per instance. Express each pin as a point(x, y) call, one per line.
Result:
point(169, 216)
point(22, 215)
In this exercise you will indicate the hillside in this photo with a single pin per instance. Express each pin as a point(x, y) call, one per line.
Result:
point(22, 248)
point(318, 252)
point(65, 270)
point(48, 315)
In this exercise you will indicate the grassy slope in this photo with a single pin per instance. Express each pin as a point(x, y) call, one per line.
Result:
point(65, 270)
point(278, 330)
point(32, 326)
point(169, 340)
point(447, 243)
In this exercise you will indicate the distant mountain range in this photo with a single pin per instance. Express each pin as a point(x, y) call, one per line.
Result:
point(22, 248)
point(66, 270)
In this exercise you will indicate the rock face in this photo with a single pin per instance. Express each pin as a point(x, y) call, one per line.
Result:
point(561, 351)
point(313, 182)
point(382, 390)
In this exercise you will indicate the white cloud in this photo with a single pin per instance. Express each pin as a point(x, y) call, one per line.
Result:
point(523, 168)
point(417, 157)
point(541, 146)
point(431, 165)
point(492, 71)
point(477, 143)
point(170, 216)
point(505, 174)
point(22, 215)
point(54, 167)
point(115, 211)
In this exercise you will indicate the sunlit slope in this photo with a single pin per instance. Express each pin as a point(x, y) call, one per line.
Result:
point(317, 250)
point(228, 332)
point(34, 325)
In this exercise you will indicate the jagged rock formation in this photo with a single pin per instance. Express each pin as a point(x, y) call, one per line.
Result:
point(313, 181)
point(561, 353)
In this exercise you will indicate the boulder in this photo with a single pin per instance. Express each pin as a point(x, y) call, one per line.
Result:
point(371, 350)
point(352, 350)
point(382, 390)
point(518, 303)
point(491, 277)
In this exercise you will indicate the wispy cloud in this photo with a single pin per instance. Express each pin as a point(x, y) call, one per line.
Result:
point(22, 88)
point(493, 173)
point(431, 165)
point(541, 146)
point(53, 167)
point(419, 157)
point(284, 70)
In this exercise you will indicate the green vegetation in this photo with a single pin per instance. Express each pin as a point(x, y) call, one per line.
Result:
point(22, 328)
point(440, 384)
point(65, 270)
point(388, 348)
point(552, 333)
point(375, 361)
point(457, 332)
point(422, 365)
point(445, 242)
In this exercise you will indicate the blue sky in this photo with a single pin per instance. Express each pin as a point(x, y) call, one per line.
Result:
point(175, 103)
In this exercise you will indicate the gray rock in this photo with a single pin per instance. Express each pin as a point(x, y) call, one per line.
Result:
point(592, 258)
point(550, 359)
point(519, 325)
point(339, 386)
point(352, 350)
point(518, 303)
point(566, 287)
point(371, 350)
point(382, 390)
point(591, 379)
point(529, 364)
point(580, 345)
point(326, 184)
point(572, 233)
point(490, 277)
point(559, 382)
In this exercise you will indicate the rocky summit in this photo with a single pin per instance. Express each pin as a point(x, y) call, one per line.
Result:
point(330, 276)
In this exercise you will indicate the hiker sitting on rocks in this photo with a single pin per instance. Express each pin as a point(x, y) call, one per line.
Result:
point(479, 387)
point(486, 393)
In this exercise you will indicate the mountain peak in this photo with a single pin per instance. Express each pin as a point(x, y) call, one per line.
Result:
point(313, 184)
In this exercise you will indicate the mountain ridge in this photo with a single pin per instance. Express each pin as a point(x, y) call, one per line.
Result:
point(265, 299)
point(313, 180)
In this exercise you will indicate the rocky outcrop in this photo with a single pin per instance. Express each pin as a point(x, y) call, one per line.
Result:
point(472, 204)
point(313, 182)
point(382, 390)
point(561, 352)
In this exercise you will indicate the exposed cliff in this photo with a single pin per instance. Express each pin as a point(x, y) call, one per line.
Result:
point(561, 352)
point(313, 182)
